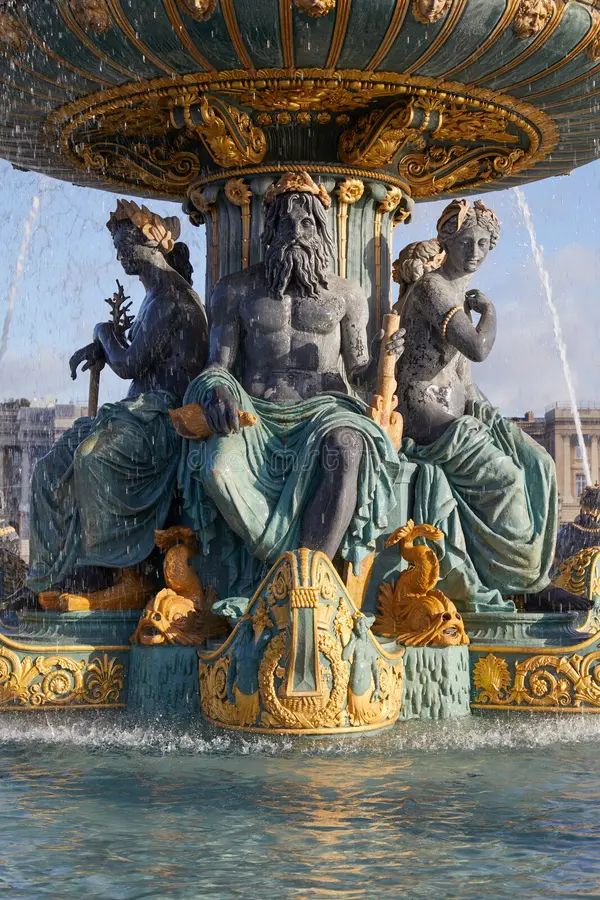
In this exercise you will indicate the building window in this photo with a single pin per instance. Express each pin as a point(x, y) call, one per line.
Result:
point(579, 484)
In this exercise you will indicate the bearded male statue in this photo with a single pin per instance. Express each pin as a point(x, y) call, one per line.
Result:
point(313, 471)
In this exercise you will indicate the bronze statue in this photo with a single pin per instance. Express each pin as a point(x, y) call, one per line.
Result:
point(313, 471)
point(481, 481)
point(108, 483)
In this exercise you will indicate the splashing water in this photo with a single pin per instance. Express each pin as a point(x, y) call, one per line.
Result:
point(538, 256)
point(21, 258)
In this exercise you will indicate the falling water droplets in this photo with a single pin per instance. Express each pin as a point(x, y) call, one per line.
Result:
point(538, 256)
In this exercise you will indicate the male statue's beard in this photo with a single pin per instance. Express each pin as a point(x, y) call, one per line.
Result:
point(302, 262)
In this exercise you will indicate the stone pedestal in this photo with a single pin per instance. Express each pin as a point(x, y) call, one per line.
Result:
point(163, 682)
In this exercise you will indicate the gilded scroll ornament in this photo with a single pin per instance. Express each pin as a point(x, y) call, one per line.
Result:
point(543, 681)
point(429, 11)
point(378, 136)
point(47, 681)
point(315, 8)
point(92, 15)
point(202, 10)
point(228, 134)
point(532, 16)
point(13, 37)
point(411, 610)
point(145, 134)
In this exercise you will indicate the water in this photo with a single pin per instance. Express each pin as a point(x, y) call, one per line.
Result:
point(538, 257)
point(496, 807)
point(13, 290)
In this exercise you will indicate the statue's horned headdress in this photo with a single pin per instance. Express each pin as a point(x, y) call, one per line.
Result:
point(160, 233)
point(298, 183)
point(460, 213)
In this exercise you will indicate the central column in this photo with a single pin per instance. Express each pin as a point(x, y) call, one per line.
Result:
point(361, 218)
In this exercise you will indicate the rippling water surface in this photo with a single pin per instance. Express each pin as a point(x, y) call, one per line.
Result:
point(498, 807)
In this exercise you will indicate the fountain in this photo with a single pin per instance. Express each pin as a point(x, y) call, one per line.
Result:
point(304, 518)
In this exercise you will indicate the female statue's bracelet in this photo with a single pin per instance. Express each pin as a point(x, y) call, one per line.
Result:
point(448, 318)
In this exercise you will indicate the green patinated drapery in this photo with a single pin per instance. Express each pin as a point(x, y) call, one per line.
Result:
point(492, 491)
point(103, 489)
point(259, 481)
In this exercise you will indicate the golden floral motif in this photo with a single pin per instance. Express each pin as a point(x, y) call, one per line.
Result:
point(315, 8)
point(429, 11)
point(13, 37)
point(542, 681)
point(91, 14)
point(202, 10)
point(47, 681)
point(350, 190)
point(237, 191)
point(391, 200)
point(491, 677)
point(532, 16)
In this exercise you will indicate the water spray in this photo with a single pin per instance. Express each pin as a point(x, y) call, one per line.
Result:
point(538, 256)
point(14, 287)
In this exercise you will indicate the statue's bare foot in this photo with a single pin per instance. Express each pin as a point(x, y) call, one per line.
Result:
point(132, 590)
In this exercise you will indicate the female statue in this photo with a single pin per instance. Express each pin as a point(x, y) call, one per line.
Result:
point(486, 484)
point(108, 483)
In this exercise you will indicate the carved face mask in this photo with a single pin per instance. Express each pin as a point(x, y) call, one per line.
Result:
point(168, 619)
point(431, 621)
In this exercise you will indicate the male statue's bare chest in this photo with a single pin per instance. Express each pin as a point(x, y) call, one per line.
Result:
point(264, 315)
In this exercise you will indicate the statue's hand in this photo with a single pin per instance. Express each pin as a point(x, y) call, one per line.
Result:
point(395, 345)
point(90, 355)
point(222, 411)
point(477, 301)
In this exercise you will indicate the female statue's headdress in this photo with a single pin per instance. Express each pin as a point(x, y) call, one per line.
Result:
point(460, 214)
point(159, 233)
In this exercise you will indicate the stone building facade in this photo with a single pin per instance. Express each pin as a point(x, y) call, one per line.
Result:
point(556, 432)
point(26, 434)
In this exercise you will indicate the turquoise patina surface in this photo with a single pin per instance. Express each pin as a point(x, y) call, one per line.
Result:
point(245, 492)
point(492, 491)
point(103, 489)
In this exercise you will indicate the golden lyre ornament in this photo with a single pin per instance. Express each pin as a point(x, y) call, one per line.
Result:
point(411, 610)
point(384, 402)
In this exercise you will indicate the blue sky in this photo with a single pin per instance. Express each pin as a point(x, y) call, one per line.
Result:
point(71, 267)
